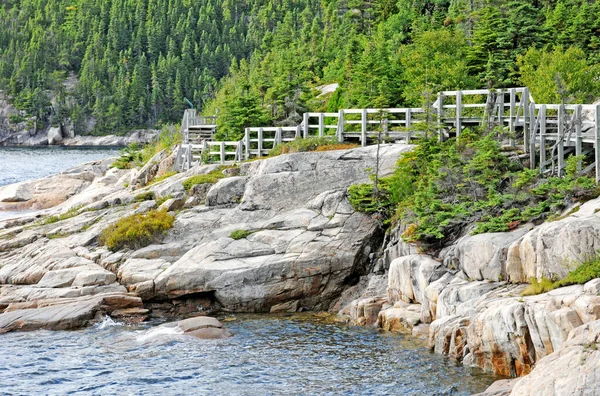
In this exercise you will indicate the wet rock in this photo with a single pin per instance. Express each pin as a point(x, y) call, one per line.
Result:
point(65, 314)
point(203, 327)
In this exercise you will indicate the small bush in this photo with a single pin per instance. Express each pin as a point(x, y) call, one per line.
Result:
point(74, 211)
point(538, 287)
point(15, 118)
point(163, 177)
point(310, 144)
point(129, 157)
point(145, 196)
point(137, 231)
point(239, 234)
point(587, 271)
point(211, 178)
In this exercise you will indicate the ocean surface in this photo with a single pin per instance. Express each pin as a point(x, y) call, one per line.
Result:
point(266, 356)
point(18, 164)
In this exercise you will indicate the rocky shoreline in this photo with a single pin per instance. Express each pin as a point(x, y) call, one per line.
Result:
point(305, 248)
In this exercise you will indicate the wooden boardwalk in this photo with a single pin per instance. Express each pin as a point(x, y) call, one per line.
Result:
point(548, 132)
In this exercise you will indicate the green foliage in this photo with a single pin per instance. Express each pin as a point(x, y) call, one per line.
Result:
point(240, 234)
point(74, 211)
point(137, 231)
point(129, 157)
point(438, 189)
point(257, 61)
point(210, 178)
point(163, 177)
point(536, 287)
point(585, 272)
point(136, 156)
point(160, 201)
point(145, 196)
point(15, 118)
point(560, 75)
point(309, 144)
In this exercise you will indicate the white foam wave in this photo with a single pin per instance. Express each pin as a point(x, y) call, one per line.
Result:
point(108, 322)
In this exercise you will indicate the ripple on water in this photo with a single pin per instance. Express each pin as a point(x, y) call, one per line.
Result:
point(267, 356)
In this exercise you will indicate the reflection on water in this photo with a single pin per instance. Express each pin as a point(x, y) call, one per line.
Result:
point(267, 356)
point(25, 163)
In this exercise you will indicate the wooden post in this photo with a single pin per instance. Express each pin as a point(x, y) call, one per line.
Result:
point(321, 124)
point(532, 130)
point(458, 113)
point(278, 137)
point(500, 100)
point(512, 121)
point(526, 118)
point(222, 152)
point(560, 140)
point(542, 138)
point(363, 129)
point(247, 143)
point(188, 156)
point(578, 138)
point(408, 125)
point(440, 116)
point(298, 131)
point(340, 128)
point(305, 125)
point(597, 142)
point(260, 142)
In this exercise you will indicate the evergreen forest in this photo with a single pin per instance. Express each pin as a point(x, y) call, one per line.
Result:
point(132, 63)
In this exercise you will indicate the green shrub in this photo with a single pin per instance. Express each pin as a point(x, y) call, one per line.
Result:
point(74, 211)
point(538, 287)
point(137, 231)
point(129, 157)
point(160, 201)
point(440, 188)
point(239, 234)
point(586, 271)
point(136, 156)
point(15, 118)
point(145, 196)
point(163, 177)
point(211, 178)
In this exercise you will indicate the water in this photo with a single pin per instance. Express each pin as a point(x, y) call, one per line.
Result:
point(267, 356)
point(18, 164)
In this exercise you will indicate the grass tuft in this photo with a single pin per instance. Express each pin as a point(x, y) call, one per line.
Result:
point(137, 231)
point(310, 144)
point(210, 178)
point(239, 234)
point(538, 287)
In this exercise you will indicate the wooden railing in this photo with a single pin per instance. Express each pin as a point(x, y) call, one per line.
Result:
point(568, 128)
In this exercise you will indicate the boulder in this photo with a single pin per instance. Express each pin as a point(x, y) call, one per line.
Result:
point(203, 327)
point(226, 191)
point(55, 135)
point(409, 276)
point(482, 256)
point(554, 249)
